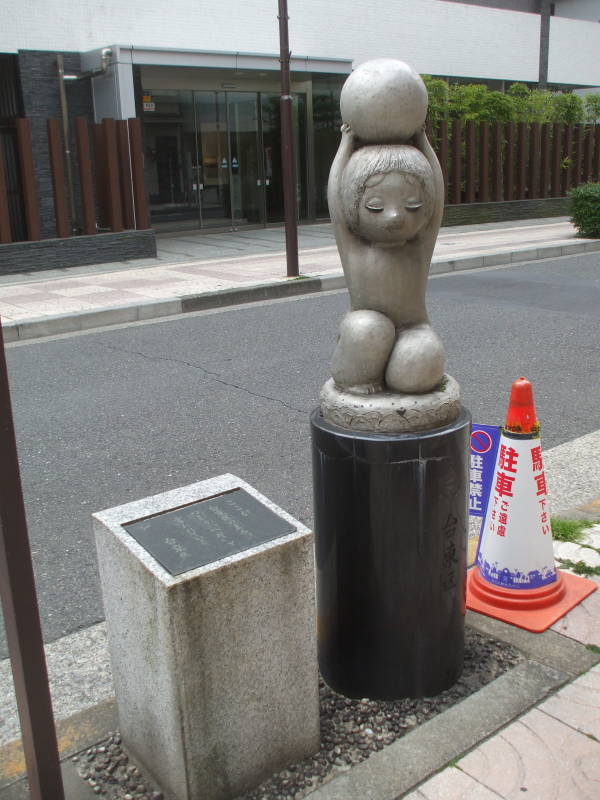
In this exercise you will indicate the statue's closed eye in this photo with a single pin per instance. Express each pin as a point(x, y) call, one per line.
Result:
point(374, 204)
point(414, 205)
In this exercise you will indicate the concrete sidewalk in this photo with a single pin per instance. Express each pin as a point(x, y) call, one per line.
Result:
point(194, 272)
point(534, 729)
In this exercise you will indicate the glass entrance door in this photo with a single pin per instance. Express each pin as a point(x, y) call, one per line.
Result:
point(213, 146)
point(271, 142)
point(247, 202)
point(213, 158)
point(171, 158)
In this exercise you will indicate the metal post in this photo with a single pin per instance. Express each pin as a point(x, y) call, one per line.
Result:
point(287, 148)
point(21, 616)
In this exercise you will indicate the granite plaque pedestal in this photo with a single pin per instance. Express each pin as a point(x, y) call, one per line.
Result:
point(214, 661)
point(390, 539)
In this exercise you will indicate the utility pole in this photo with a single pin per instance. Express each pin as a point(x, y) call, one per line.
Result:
point(287, 147)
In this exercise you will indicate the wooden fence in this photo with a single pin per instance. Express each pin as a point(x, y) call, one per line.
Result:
point(490, 162)
point(108, 193)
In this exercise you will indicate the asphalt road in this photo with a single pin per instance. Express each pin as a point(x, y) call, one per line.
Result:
point(112, 416)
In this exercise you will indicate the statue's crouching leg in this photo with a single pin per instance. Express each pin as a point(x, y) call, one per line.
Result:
point(416, 364)
point(362, 351)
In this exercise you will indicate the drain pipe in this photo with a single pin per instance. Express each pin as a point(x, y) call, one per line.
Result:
point(64, 109)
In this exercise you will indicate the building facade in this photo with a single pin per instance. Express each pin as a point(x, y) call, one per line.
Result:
point(203, 78)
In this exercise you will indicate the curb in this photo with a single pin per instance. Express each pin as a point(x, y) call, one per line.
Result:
point(274, 290)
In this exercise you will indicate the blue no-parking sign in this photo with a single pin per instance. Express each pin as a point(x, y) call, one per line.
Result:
point(484, 449)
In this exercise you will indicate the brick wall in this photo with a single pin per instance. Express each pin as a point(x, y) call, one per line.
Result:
point(40, 90)
point(477, 213)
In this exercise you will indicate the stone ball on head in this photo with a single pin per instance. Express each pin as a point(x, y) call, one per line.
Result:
point(384, 101)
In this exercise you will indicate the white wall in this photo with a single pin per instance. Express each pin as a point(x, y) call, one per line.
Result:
point(437, 37)
point(433, 36)
point(574, 52)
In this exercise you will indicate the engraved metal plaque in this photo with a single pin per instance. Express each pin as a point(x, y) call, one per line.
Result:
point(200, 533)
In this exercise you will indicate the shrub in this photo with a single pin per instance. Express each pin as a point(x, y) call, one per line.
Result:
point(568, 108)
point(584, 203)
point(592, 108)
point(437, 89)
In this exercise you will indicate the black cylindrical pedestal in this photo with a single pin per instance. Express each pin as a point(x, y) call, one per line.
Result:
point(391, 536)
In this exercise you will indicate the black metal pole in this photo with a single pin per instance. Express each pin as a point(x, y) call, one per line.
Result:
point(21, 616)
point(287, 147)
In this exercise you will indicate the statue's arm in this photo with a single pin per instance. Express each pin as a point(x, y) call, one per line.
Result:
point(429, 234)
point(334, 184)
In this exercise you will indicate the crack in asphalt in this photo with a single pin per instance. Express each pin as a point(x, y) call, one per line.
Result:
point(212, 375)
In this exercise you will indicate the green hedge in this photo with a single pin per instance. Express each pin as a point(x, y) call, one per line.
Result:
point(585, 209)
point(474, 101)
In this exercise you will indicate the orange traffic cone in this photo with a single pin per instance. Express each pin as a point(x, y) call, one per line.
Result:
point(515, 577)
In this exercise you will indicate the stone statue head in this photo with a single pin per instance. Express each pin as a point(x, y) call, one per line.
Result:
point(387, 193)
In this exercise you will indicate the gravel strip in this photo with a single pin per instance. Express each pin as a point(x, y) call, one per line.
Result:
point(351, 730)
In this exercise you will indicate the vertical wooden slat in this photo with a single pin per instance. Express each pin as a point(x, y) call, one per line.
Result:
point(497, 141)
point(471, 157)
point(429, 130)
point(588, 153)
point(443, 154)
point(522, 161)
point(545, 161)
point(32, 217)
point(535, 143)
point(456, 170)
point(578, 168)
point(484, 162)
point(125, 174)
point(509, 171)
point(5, 232)
point(86, 183)
point(556, 159)
point(596, 172)
point(568, 156)
point(137, 168)
point(115, 213)
point(61, 214)
point(100, 173)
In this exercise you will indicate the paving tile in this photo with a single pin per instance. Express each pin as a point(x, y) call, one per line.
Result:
point(582, 623)
point(452, 784)
point(29, 299)
point(104, 298)
point(136, 283)
point(15, 290)
point(537, 757)
point(591, 536)
point(576, 552)
point(578, 704)
point(79, 289)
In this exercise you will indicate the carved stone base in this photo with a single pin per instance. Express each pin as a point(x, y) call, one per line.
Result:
point(388, 412)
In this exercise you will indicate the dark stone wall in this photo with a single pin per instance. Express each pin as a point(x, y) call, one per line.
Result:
point(474, 213)
point(76, 251)
point(41, 101)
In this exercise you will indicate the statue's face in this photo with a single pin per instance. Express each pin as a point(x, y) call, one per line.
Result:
point(392, 210)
